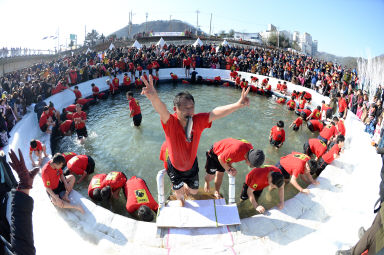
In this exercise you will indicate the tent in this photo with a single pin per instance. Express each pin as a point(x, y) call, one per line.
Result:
point(161, 42)
point(225, 43)
point(88, 50)
point(198, 42)
point(136, 44)
point(111, 46)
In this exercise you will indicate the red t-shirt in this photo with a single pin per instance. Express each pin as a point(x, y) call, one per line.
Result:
point(137, 194)
point(257, 178)
point(341, 127)
point(95, 183)
point(317, 146)
point(78, 164)
point(277, 135)
point(115, 180)
point(126, 81)
point(38, 147)
point(83, 101)
point(317, 125)
point(81, 115)
point(134, 106)
point(328, 131)
point(115, 82)
point(43, 119)
point(71, 108)
point(65, 126)
point(294, 163)
point(328, 157)
point(291, 104)
point(50, 176)
point(181, 152)
point(95, 90)
point(342, 104)
point(316, 114)
point(298, 122)
point(68, 156)
point(232, 150)
point(77, 94)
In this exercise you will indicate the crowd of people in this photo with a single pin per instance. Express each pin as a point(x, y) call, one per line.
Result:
point(141, 67)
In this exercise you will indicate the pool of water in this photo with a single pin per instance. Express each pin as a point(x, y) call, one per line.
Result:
point(116, 145)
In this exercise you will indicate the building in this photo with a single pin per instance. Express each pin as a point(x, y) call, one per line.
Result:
point(314, 47)
point(252, 37)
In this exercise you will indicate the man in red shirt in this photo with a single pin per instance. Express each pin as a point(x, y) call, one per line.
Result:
point(112, 184)
point(126, 81)
point(331, 155)
point(46, 122)
point(77, 92)
point(340, 127)
point(315, 146)
point(315, 115)
point(315, 125)
point(140, 202)
point(38, 148)
point(277, 134)
point(223, 154)
point(187, 66)
point(182, 134)
point(94, 187)
point(295, 164)
point(55, 182)
point(291, 104)
point(343, 107)
point(115, 83)
point(134, 109)
point(79, 117)
point(296, 124)
point(258, 179)
point(329, 131)
point(82, 165)
point(95, 91)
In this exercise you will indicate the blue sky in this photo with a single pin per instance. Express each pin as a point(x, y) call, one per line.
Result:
point(344, 28)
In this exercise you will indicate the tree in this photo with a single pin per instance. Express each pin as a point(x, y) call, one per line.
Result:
point(71, 44)
point(231, 33)
point(222, 34)
point(91, 38)
point(283, 41)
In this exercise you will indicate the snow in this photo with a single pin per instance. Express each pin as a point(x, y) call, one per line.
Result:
point(320, 223)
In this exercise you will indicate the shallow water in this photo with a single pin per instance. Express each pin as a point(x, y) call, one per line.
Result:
point(116, 145)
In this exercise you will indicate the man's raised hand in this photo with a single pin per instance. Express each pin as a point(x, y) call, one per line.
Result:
point(244, 100)
point(149, 90)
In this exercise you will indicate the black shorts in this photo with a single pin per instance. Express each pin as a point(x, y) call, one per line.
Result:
point(59, 189)
point(187, 67)
point(306, 149)
point(295, 128)
point(137, 119)
point(310, 126)
point(322, 139)
point(44, 128)
point(283, 171)
point(157, 69)
point(275, 143)
point(341, 114)
point(82, 132)
point(190, 177)
point(91, 165)
point(244, 193)
point(150, 71)
point(212, 164)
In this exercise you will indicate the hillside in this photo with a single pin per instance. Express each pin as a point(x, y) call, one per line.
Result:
point(156, 26)
point(351, 62)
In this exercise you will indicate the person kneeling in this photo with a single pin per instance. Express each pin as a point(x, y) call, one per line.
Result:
point(258, 179)
point(82, 165)
point(140, 203)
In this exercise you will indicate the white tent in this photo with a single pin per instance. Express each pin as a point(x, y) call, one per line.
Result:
point(88, 50)
point(111, 46)
point(136, 44)
point(225, 43)
point(161, 42)
point(198, 42)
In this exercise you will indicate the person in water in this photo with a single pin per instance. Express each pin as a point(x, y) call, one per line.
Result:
point(182, 148)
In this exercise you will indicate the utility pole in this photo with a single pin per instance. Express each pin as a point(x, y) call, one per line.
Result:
point(197, 20)
point(210, 25)
point(85, 34)
point(278, 38)
point(170, 23)
point(130, 24)
point(146, 21)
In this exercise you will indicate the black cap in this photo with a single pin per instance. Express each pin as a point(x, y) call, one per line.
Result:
point(256, 157)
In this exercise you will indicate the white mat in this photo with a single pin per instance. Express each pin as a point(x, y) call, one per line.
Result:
point(198, 213)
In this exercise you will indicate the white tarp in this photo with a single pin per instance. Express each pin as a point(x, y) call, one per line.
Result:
point(136, 44)
point(161, 42)
point(111, 46)
point(198, 42)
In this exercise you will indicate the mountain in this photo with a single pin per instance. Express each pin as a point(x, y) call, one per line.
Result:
point(350, 62)
point(156, 26)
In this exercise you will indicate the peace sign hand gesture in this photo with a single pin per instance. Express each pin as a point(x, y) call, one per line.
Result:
point(149, 90)
point(25, 177)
